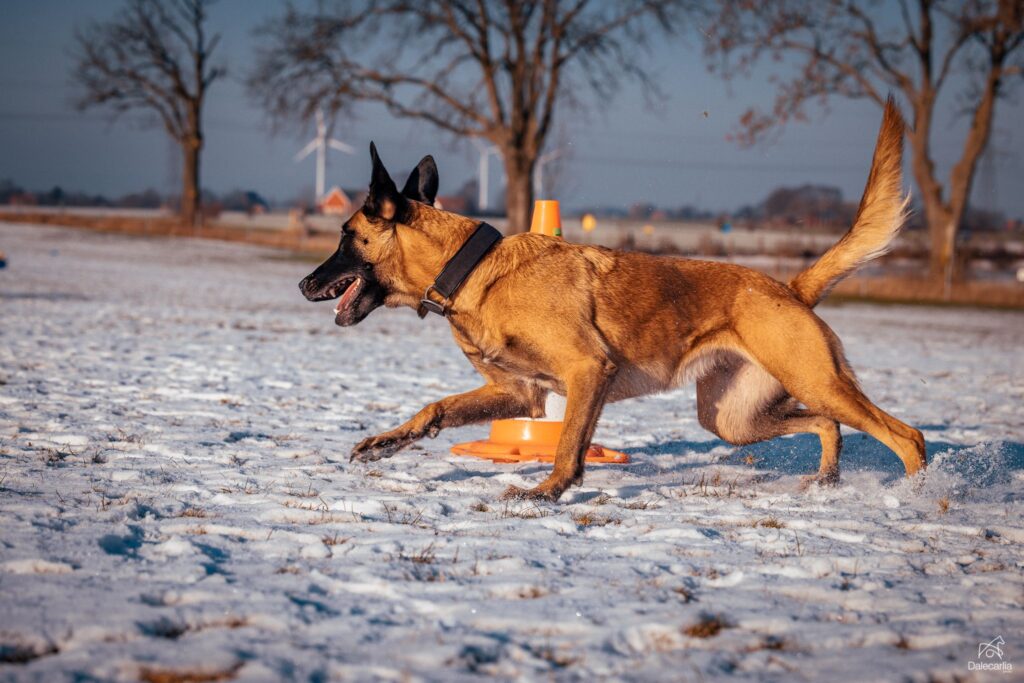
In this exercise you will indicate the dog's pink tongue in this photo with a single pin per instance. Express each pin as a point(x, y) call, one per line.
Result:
point(349, 294)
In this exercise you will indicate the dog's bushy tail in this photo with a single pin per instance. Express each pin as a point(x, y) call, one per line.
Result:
point(883, 208)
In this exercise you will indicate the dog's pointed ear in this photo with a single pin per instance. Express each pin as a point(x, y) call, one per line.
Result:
point(422, 183)
point(383, 199)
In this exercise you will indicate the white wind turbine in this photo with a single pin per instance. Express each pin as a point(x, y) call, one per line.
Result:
point(485, 151)
point(320, 144)
point(538, 171)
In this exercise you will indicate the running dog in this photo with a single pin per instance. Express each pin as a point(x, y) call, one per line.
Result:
point(537, 314)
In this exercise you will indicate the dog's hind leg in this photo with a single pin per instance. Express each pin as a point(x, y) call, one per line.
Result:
point(803, 354)
point(742, 404)
point(801, 422)
point(496, 401)
point(851, 407)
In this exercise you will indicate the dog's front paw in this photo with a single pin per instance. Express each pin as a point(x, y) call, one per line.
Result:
point(376, 447)
point(536, 493)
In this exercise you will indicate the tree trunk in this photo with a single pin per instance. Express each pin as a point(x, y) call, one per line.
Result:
point(942, 229)
point(518, 191)
point(961, 178)
point(939, 216)
point(190, 210)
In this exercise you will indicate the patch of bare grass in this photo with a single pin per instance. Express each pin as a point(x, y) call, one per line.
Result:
point(708, 626)
point(531, 511)
point(408, 517)
point(158, 675)
point(589, 518)
point(334, 540)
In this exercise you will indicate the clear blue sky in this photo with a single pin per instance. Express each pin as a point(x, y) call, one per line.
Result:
point(617, 153)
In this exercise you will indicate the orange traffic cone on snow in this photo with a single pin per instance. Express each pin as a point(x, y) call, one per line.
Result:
point(524, 439)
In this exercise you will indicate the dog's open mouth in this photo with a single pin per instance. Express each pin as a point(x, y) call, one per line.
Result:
point(349, 289)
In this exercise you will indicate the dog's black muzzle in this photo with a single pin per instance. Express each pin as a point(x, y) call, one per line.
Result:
point(330, 278)
point(315, 290)
point(350, 279)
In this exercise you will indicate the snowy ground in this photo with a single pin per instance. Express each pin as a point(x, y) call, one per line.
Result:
point(176, 499)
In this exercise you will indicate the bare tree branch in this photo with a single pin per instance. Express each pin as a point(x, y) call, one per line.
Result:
point(848, 48)
point(495, 69)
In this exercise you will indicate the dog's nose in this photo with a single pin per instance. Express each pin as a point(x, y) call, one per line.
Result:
point(306, 286)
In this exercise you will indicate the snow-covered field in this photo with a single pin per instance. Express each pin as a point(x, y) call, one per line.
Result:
point(176, 501)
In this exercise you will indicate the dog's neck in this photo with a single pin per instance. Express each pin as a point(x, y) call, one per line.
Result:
point(426, 242)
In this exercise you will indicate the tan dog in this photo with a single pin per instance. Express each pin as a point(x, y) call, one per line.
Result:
point(539, 314)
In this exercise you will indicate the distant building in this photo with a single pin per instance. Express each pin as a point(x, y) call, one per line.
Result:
point(22, 199)
point(336, 203)
point(256, 204)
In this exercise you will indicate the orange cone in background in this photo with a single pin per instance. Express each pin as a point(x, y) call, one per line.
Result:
point(546, 218)
point(523, 439)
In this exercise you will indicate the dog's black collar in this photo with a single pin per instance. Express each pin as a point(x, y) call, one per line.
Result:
point(458, 268)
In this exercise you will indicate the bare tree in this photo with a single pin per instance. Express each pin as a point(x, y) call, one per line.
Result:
point(855, 49)
point(491, 69)
point(153, 56)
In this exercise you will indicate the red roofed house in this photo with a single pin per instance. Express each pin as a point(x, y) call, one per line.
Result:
point(336, 203)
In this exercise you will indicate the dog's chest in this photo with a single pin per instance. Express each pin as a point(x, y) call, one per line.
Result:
point(504, 353)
